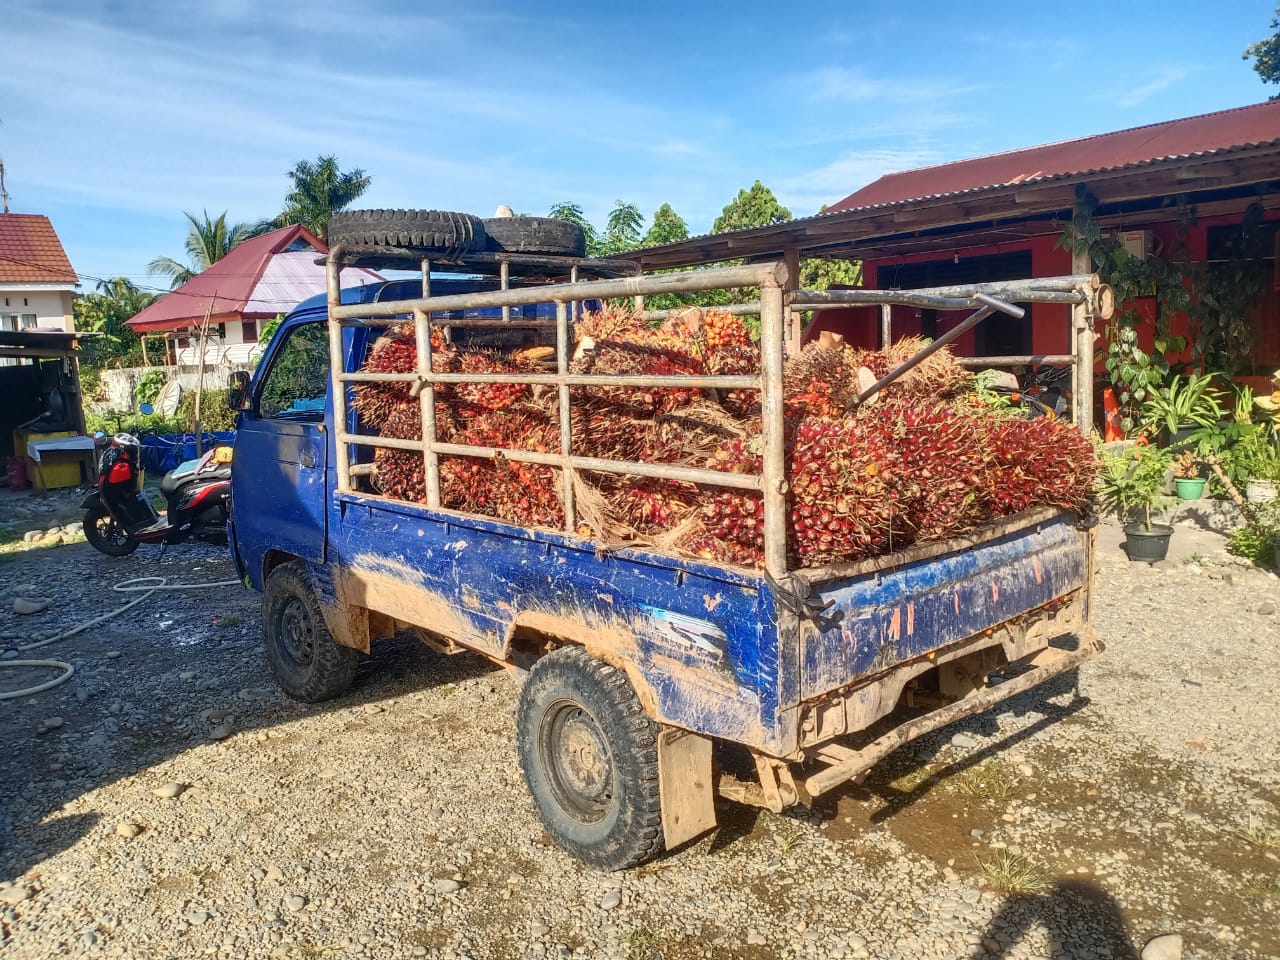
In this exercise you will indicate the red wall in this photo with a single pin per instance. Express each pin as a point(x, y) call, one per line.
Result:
point(1051, 323)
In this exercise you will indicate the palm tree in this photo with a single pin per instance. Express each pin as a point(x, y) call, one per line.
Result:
point(207, 243)
point(319, 191)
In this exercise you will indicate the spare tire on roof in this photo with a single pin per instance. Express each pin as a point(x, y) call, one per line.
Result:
point(441, 231)
point(536, 235)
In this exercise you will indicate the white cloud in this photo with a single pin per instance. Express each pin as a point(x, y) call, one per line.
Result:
point(805, 193)
point(1159, 81)
point(852, 85)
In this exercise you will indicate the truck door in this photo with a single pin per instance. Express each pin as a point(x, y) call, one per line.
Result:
point(282, 449)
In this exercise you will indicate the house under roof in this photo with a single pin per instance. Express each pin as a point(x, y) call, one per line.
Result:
point(1213, 161)
point(260, 278)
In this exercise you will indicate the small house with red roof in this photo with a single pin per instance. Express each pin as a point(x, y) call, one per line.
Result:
point(37, 282)
point(258, 280)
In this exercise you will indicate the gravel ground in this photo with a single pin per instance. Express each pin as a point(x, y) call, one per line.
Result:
point(169, 802)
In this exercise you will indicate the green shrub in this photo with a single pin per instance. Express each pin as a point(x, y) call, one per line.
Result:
point(214, 412)
point(149, 386)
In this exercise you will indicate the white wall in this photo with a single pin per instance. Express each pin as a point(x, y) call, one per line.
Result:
point(50, 303)
point(119, 385)
point(229, 349)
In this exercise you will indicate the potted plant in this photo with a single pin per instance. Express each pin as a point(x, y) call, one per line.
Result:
point(1183, 406)
point(1132, 485)
point(1186, 476)
point(1254, 462)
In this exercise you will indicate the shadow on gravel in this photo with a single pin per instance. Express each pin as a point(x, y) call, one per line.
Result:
point(1074, 912)
point(41, 773)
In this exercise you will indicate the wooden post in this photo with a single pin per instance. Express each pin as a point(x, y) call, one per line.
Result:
point(204, 340)
point(1082, 346)
point(886, 324)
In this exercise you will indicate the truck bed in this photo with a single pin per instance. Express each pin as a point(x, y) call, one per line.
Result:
point(700, 642)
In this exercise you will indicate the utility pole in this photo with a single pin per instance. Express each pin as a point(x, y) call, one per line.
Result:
point(4, 194)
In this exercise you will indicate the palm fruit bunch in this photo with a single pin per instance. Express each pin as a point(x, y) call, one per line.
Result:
point(632, 357)
point(477, 397)
point(649, 506)
point(524, 493)
point(821, 380)
point(937, 377)
point(721, 329)
point(401, 473)
point(1038, 462)
point(921, 461)
point(396, 351)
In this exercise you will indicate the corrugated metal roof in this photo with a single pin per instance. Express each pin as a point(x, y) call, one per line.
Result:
point(290, 278)
point(1185, 138)
point(30, 251)
point(258, 279)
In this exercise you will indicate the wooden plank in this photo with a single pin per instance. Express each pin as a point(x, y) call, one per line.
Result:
point(685, 786)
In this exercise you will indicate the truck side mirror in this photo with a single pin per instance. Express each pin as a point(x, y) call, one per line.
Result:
point(238, 390)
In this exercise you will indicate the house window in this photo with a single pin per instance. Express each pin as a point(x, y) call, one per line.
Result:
point(8, 322)
point(249, 330)
point(28, 321)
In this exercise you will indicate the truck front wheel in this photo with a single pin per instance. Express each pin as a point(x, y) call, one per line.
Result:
point(308, 664)
point(590, 758)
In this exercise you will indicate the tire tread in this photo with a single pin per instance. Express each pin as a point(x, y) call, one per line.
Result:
point(334, 667)
point(642, 838)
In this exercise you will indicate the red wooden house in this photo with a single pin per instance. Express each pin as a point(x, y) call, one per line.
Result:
point(1000, 217)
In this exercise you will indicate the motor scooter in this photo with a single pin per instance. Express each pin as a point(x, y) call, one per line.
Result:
point(118, 516)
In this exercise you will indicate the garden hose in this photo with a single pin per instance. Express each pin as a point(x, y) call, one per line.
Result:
point(146, 586)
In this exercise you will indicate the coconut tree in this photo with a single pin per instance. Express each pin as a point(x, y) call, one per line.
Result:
point(208, 241)
point(319, 191)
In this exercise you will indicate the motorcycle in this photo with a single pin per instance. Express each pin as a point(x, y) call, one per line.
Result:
point(118, 516)
point(1041, 392)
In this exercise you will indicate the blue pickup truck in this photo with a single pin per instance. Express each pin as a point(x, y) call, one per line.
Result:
point(639, 668)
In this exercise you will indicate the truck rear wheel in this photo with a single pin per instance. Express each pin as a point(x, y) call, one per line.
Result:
point(590, 757)
point(307, 662)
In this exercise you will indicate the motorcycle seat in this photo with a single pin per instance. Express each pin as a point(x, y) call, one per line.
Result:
point(173, 480)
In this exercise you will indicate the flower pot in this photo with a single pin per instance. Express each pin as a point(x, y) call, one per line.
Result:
point(1260, 491)
point(1152, 545)
point(1190, 489)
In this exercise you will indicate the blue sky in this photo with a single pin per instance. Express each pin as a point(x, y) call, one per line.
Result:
point(117, 116)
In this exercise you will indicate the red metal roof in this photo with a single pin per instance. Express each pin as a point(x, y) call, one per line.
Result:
point(234, 285)
point(1188, 137)
point(30, 251)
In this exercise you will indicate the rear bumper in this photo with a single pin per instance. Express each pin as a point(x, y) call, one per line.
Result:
point(846, 764)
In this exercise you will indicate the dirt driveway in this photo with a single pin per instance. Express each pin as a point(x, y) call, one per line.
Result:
point(169, 802)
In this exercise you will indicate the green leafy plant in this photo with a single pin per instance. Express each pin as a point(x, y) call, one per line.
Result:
point(1133, 371)
point(1254, 454)
point(1228, 292)
point(149, 386)
point(1192, 400)
point(1251, 543)
point(1132, 484)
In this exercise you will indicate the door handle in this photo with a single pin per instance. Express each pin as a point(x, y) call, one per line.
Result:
point(307, 459)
